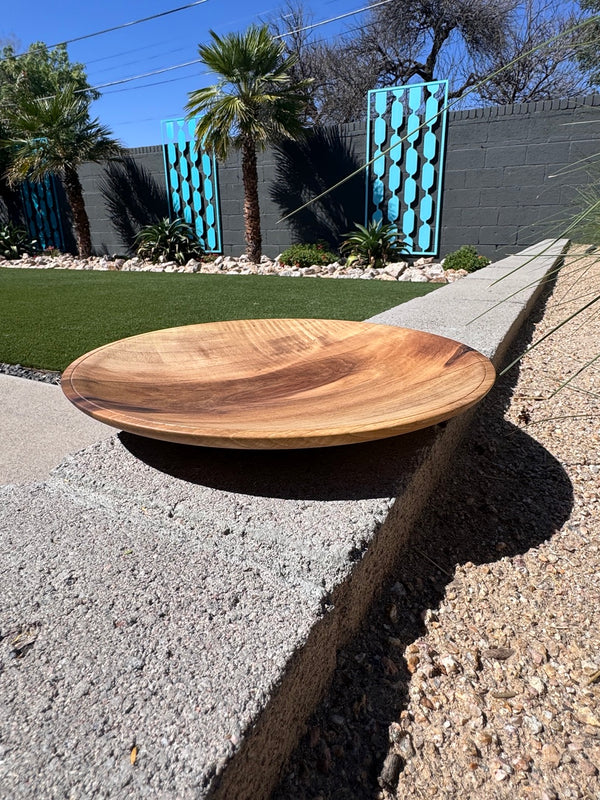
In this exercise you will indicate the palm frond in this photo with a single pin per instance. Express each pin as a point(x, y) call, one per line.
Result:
point(254, 98)
point(54, 133)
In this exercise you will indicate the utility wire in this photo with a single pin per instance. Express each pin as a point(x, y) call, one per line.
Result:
point(125, 52)
point(187, 77)
point(144, 47)
point(136, 61)
point(199, 60)
point(131, 78)
point(179, 49)
point(117, 27)
point(126, 25)
point(333, 19)
point(154, 83)
point(129, 24)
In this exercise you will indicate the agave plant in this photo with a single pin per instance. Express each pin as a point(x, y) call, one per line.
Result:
point(15, 242)
point(168, 241)
point(377, 243)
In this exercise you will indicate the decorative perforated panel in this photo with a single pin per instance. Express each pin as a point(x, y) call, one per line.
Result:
point(191, 182)
point(42, 212)
point(406, 137)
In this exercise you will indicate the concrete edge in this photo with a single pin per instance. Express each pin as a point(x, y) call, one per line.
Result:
point(255, 769)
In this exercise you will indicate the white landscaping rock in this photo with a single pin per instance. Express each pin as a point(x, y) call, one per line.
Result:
point(421, 271)
point(414, 275)
point(395, 269)
point(434, 271)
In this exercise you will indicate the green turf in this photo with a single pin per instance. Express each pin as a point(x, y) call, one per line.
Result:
point(50, 317)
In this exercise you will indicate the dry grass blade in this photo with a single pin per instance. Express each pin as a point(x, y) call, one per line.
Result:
point(554, 329)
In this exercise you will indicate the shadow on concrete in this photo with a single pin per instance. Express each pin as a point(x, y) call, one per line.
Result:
point(308, 167)
point(504, 494)
point(359, 471)
point(132, 197)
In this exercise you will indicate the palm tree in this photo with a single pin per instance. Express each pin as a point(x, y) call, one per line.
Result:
point(55, 135)
point(254, 103)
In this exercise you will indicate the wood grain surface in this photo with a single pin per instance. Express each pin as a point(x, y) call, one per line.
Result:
point(277, 383)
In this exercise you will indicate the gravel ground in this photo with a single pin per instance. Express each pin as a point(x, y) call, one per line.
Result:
point(477, 675)
point(17, 371)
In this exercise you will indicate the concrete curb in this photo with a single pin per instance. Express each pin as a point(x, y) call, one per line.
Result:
point(189, 603)
point(38, 428)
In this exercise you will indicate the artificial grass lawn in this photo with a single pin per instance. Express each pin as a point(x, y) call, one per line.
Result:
point(50, 317)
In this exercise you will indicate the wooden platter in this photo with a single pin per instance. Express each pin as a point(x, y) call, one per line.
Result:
point(277, 383)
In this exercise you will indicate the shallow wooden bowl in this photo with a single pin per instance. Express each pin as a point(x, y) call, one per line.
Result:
point(277, 383)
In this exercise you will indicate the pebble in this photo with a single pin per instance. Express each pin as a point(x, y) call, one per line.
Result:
point(388, 777)
point(498, 653)
point(405, 747)
point(533, 724)
point(587, 716)
point(551, 755)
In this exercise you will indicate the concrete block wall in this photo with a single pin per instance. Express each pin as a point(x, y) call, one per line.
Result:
point(503, 187)
point(277, 234)
point(105, 236)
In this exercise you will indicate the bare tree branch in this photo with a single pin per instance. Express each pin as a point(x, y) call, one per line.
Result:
point(427, 40)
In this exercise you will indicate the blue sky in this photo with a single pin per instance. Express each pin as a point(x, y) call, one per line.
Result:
point(134, 110)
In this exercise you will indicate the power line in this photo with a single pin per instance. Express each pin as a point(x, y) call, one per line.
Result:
point(330, 36)
point(199, 60)
point(136, 61)
point(129, 24)
point(332, 19)
point(181, 78)
point(118, 27)
point(149, 46)
point(124, 52)
point(187, 77)
point(154, 83)
point(131, 78)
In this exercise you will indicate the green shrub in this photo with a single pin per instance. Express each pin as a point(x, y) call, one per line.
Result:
point(51, 252)
point(305, 255)
point(168, 241)
point(377, 244)
point(15, 242)
point(465, 258)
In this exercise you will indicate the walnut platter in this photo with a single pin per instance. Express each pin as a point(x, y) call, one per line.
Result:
point(277, 383)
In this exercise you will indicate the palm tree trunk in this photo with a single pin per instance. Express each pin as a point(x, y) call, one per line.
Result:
point(251, 206)
point(81, 223)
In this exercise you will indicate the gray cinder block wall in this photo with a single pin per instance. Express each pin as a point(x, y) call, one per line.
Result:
point(503, 186)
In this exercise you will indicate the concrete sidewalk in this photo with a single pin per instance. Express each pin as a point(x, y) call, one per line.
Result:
point(39, 428)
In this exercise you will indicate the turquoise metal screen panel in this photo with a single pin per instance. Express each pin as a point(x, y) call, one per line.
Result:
point(191, 175)
point(42, 212)
point(406, 139)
